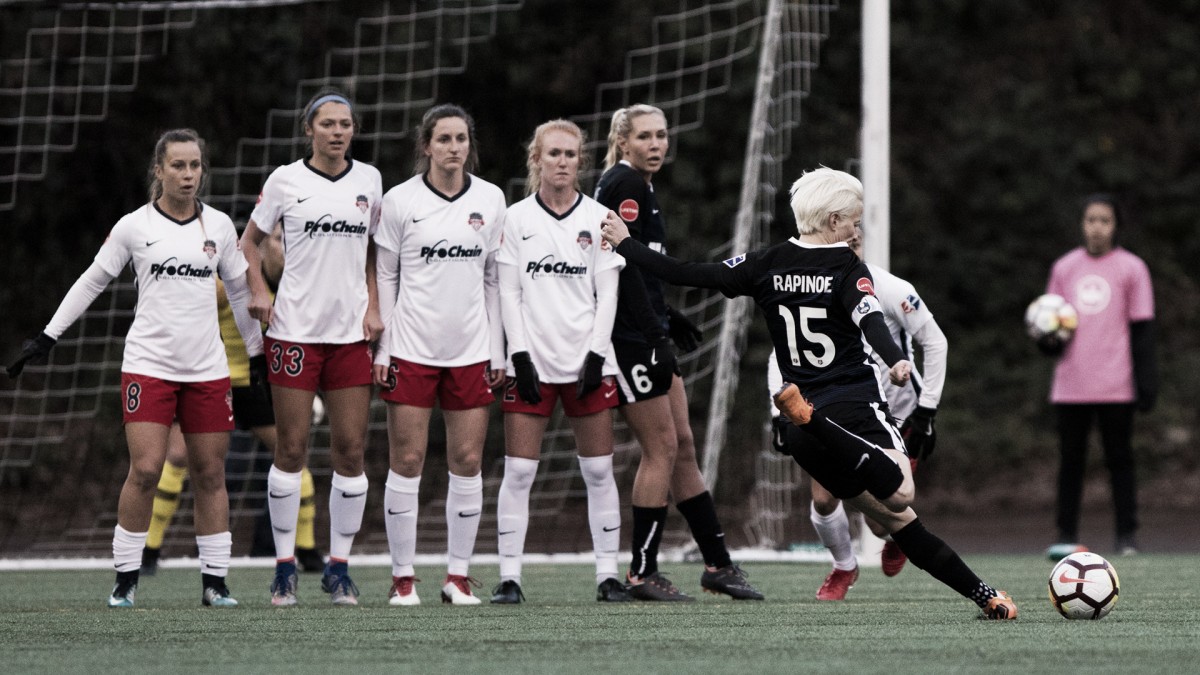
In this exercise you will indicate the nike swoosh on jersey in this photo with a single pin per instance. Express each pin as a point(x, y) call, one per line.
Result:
point(528, 236)
point(611, 529)
point(865, 457)
point(151, 243)
point(468, 514)
point(347, 495)
point(506, 532)
point(397, 513)
point(610, 394)
point(301, 200)
point(654, 212)
point(654, 357)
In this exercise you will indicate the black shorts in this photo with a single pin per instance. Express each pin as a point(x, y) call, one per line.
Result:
point(250, 411)
point(850, 426)
point(639, 378)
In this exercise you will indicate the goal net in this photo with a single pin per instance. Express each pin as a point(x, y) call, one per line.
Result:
point(62, 453)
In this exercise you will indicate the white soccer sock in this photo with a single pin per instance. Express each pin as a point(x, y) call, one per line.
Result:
point(464, 506)
point(604, 513)
point(215, 550)
point(347, 501)
point(400, 508)
point(834, 531)
point(127, 549)
point(512, 514)
point(283, 502)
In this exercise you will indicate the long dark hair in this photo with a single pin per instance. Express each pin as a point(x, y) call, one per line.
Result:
point(425, 137)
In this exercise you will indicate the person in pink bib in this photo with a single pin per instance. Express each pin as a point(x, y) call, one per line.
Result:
point(1106, 371)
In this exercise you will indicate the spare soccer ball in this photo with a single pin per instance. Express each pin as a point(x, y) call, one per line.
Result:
point(1084, 586)
point(1049, 315)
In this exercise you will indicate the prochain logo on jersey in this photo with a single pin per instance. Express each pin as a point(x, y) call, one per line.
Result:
point(441, 252)
point(548, 266)
point(327, 225)
point(172, 268)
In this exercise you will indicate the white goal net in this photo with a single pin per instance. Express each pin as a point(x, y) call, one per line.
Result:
point(62, 453)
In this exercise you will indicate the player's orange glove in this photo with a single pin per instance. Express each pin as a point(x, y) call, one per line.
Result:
point(792, 403)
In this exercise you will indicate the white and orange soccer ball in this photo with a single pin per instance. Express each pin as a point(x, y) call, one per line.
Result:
point(1084, 586)
point(1051, 314)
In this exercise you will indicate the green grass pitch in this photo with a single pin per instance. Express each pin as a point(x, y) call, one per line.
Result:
point(56, 622)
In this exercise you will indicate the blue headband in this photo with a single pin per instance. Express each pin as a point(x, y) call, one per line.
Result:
point(328, 98)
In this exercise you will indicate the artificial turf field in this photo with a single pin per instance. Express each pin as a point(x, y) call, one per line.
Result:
point(57, 622)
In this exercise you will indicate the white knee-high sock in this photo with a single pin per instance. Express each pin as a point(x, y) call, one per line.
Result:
point(464, 506)
point(400, 504)
point(834, 532)
point(512, 514)
point(127, 549)
point(215, 550)
point(347, 501)
point(604, 513)
point(283, 501)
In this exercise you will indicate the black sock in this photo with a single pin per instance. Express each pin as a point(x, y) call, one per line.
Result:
point(931, 554)
point(701, 515)
point(648, 523)
point(211, 581)
point(129, 577)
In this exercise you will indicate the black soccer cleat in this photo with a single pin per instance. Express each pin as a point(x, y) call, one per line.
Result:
point(611, 590)
point(507, 593)
point(729, 580)
point(310, 560)
point(656, 588)
point(150, 561)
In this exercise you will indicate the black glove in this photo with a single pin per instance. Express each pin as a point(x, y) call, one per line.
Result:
point(918, 433)
point(32, 351)
point(662, 361)
point(591, 376)
point(527, 378)
point(779, 427)
point(685, 333)
point(259, 387)
point(1051, 345)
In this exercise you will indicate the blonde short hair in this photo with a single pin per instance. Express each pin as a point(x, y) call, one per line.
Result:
point(821, 193)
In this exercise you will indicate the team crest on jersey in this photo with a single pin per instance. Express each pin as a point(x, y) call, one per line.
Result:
point(475, 220)
point(735, 261)
point(864, 284)
point(362, 203)
point(210, 247)
point(584, 239)
point(910, 304)
point(628, 210)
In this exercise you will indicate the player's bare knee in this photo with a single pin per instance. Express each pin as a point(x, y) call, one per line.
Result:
point(824, 503)
point(143, 477)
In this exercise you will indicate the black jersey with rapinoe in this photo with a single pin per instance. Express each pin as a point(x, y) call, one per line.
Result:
point(812, 298)
point(627, 193)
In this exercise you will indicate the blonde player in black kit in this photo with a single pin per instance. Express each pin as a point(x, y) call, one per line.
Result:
point(653, 400)
point(819, 303)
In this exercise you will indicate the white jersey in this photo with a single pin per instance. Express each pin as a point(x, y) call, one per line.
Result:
point(327, 222)
point(443, 243)
point(905, 313)
point(557, 259)
point(175, 335)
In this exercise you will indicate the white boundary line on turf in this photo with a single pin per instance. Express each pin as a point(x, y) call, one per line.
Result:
point(384, 560)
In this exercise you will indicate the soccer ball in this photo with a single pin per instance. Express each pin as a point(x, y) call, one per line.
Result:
point(1051, 314)
point(1084, 586)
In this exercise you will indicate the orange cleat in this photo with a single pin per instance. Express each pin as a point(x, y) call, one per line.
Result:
point(837, 583)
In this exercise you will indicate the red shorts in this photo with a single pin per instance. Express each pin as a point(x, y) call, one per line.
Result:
point(454, 388)
point(318, 366)
point(200, 407)
point(602, 399)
